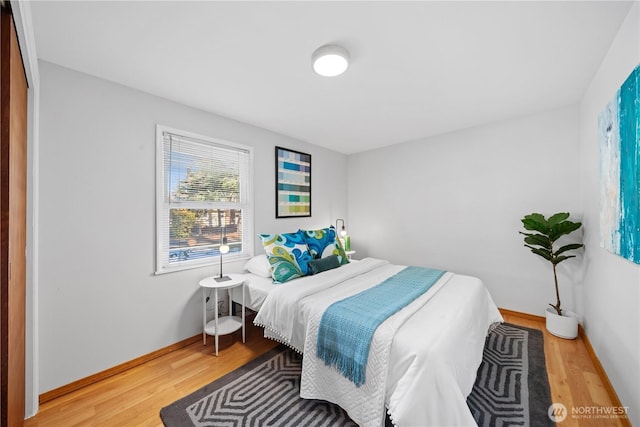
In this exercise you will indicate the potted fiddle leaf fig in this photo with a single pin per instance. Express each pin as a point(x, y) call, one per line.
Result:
point(542, 238)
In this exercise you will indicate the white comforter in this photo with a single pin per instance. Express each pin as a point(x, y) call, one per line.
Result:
point(423, 360)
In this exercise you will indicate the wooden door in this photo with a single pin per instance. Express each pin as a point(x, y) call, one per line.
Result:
point(13, 197)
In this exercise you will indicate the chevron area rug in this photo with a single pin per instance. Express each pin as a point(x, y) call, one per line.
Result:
point(511, 390)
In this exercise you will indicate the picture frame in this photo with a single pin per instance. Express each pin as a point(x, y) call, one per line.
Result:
point(293, 183)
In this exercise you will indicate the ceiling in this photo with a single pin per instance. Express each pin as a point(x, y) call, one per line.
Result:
point(418, 69)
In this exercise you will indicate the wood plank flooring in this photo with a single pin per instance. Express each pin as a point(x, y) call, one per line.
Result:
point(135, 397)
point(573, 378)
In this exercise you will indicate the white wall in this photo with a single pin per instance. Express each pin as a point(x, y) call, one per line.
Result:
point(611, 283)
point(99, 301)
point(455, 202)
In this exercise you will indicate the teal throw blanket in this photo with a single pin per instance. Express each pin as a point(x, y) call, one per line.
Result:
point(347, 326)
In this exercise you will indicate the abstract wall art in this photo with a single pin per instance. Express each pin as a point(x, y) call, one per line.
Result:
point(618, 134)
point(293, 183)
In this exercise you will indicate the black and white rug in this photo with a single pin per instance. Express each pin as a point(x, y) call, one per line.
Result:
point(511, 390)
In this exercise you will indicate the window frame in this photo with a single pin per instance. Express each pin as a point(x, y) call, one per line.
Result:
point(162, 267)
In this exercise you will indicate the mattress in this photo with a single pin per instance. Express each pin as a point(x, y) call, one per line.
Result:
point(256, 290)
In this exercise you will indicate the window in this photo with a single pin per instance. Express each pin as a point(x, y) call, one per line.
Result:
point(203, 194)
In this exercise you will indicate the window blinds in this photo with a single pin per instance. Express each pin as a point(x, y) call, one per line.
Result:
point(205, 196)
point(202, 171)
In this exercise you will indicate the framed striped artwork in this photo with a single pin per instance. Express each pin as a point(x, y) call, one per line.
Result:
point(293, 183)
point(619, 138)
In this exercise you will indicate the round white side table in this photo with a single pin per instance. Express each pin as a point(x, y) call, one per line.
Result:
point(225, 324)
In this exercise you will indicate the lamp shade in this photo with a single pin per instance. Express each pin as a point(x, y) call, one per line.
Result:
point(330, 60)
point(223, 248)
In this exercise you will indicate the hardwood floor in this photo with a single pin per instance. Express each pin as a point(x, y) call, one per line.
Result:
point(135, 397)
point(573, 378)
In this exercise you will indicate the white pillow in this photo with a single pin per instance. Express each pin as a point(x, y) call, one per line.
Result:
point(259, 265)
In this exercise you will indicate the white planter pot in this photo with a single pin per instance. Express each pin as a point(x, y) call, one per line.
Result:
point(565, 326)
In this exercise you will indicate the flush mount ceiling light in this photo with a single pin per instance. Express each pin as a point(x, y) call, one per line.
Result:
point(330, 60)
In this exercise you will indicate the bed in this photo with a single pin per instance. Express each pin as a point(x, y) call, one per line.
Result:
point(422, 362)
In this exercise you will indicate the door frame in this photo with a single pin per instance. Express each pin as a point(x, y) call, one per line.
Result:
point(23, 21)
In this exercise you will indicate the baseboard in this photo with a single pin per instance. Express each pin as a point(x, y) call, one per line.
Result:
point(83, 382)
point(527, 316)
point(603, 374)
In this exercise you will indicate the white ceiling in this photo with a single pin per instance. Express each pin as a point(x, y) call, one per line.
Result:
point(418, 68)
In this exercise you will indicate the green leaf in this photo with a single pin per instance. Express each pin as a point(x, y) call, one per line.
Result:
point(549, 231)
point(559, 259)
point(535, 222)
point(557, 218)
point(562, 228)
point(542, 252)
point(568, 248)
point(538, 239)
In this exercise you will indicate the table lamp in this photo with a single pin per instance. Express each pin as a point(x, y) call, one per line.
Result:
point(224, 248)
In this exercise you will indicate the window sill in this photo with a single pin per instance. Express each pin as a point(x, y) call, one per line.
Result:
point(208, 264)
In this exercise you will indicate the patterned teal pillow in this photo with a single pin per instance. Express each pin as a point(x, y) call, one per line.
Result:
point(323, 243)
point(288, 255)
